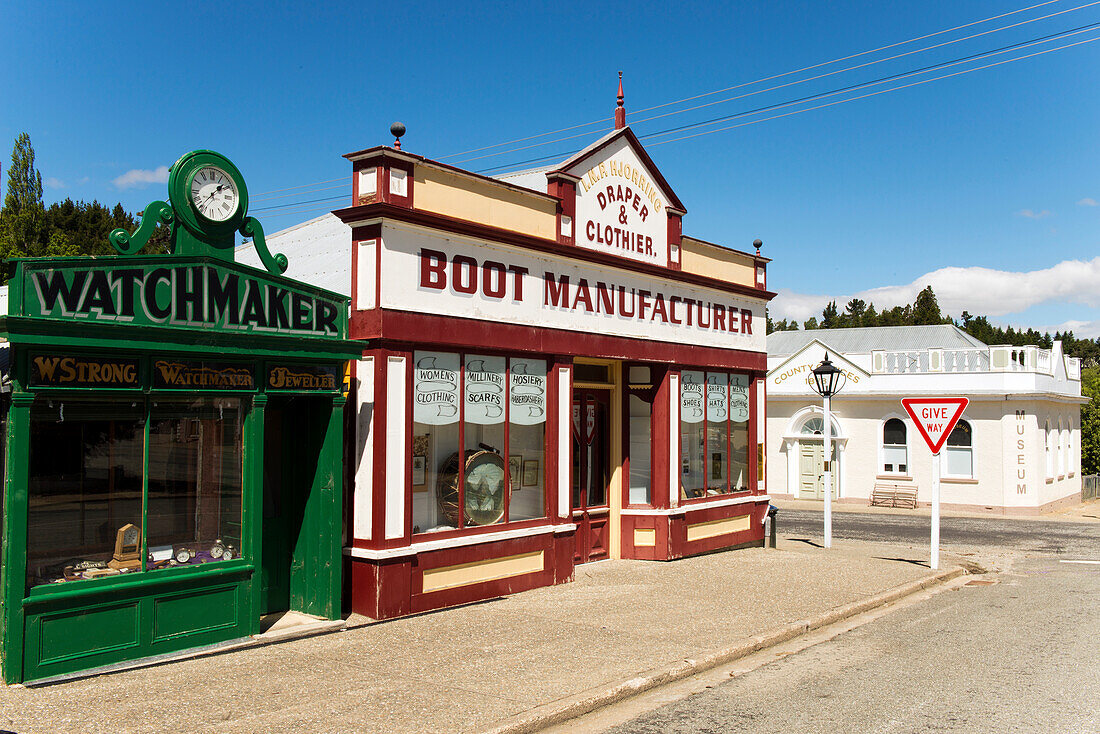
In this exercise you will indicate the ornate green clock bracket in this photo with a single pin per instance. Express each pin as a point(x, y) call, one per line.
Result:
point(209, 206)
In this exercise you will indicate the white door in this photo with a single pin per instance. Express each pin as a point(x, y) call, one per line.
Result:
point(811, 471)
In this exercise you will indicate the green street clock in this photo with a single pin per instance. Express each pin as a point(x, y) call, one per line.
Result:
point(209, 206)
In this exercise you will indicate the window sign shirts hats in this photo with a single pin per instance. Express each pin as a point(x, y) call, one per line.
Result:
point(435, 388)
point(527, 392)
point(717, 397)
point(484, 404)
point(691, 396)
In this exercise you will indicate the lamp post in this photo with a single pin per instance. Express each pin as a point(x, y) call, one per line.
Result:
point(827, 381)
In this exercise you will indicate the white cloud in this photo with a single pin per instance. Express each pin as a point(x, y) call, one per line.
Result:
point(1087, 201)
point(140, 178)
point(54, 183)
point(1080, 329)
point(981, 291)
point(1033, 214)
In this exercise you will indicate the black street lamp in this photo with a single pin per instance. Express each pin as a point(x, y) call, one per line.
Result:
point(827, 381)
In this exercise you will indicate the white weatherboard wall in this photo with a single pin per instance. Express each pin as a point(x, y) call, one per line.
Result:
point(1004, 444)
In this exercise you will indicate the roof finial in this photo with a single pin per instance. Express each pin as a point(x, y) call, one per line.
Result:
point(620, 111)
point(397, 130)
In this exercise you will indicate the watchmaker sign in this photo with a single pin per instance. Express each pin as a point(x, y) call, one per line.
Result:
point(620, 208)
point(231, 298)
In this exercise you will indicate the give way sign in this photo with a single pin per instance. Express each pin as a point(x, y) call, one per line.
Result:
point(935, 417)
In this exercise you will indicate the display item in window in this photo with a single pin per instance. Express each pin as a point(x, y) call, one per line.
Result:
point(483, 487)
point(127, 556)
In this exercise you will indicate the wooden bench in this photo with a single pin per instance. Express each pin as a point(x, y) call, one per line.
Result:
point(887, 494)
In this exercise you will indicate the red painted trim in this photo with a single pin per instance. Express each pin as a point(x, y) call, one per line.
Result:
point(380, 152)
point(655, 172)
point(566, 193)
point(355, 169)
point(408, 448)
point(675, 238)
point(660, 461)
point(729, 249)
point(461, 333)
point(356, 214)
point(753, 439)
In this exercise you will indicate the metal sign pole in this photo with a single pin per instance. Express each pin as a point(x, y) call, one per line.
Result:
point(935, 562)
point(828, 479)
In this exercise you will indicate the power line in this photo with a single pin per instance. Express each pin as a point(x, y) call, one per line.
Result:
point(869, 63)
point(882, 80)
point(764, 79)
point(893, 77)
point(884, 91)
point(788, 84)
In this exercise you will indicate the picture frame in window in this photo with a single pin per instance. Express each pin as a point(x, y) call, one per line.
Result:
point(515, 471)
point(420, 466)
point(717, 467)
point(531, 473)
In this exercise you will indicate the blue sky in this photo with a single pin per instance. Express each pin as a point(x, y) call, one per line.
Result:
point(984, 185)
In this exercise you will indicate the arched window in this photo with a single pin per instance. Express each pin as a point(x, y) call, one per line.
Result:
point(814, 426)
point(1049, 451)
point(960, 451)
point(895, 452)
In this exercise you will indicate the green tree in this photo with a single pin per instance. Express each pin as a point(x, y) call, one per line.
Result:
point(830, 317)
point(22, 218)
point(1090, 421)
point(926, 309)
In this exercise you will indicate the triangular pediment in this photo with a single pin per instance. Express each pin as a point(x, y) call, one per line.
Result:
point(622, 205)
point(621, 146)
point(793, 373)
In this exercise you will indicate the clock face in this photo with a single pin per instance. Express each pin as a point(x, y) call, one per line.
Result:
point(214, 194)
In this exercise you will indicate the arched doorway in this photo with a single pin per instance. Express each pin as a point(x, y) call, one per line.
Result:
point(805, 439)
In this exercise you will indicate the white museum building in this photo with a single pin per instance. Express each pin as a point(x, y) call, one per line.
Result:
point(1015, 450)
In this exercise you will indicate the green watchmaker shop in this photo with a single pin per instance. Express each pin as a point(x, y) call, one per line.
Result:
point(174, 440)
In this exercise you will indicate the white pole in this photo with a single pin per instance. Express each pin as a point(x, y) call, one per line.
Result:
point(935, 562)
point(828, 480)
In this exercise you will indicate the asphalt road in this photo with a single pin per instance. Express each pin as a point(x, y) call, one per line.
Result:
point(1020, 654)
point(1025, 535)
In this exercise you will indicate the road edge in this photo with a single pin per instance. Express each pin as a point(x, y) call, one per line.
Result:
point(557, 712)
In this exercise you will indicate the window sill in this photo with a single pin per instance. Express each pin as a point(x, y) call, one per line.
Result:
point(44, 593)
point(894, 477)
point(959, 480)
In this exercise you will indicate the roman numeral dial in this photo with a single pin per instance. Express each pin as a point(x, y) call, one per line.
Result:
point(214, 194)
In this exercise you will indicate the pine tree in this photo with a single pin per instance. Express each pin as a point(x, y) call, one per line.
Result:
point(926, 309)
point(22, 218)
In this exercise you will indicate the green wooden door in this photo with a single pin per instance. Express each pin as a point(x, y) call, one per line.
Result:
point(275, 564)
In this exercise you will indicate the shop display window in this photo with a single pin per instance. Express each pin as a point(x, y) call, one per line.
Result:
point(194, 502)
point(88, 512)
point(714, 433)
point(495, 409)
point(641, 430)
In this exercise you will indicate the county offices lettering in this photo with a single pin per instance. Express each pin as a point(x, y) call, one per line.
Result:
point(805, 371)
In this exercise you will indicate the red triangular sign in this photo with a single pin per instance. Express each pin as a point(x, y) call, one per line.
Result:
point(935, 417)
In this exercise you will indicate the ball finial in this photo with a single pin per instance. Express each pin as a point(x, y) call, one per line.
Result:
point(397, 129)
point(757, 244)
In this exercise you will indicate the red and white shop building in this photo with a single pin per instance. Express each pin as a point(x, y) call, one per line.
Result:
point(551, 374)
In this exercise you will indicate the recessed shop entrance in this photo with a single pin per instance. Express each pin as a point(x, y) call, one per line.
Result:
point(294, 526)
point(591, 472)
